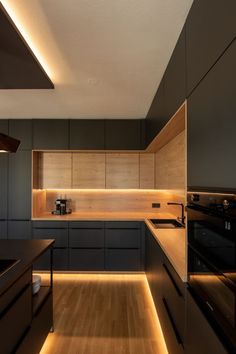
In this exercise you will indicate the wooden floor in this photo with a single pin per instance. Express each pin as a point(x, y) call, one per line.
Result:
point(104, 314)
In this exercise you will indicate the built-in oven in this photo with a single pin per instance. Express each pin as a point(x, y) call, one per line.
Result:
point(212, 260)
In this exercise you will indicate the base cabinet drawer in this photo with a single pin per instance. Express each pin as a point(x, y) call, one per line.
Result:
point(86, 259)
point(123, 238)
point(123, 259)
point(86, 238)
point(200, 337)
point(60, 236)
point(41, 324)
point(60, 260)
point(15, 322)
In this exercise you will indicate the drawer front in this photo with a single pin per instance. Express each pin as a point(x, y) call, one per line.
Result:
point(16, 321)
point(86, 238)
point(50, 224)
point(86, 259)
point(123, 225)
point(60, 260)
point(123, 238)
point(86, 225)
point(177, 281)
point(15, 289)
point(123, 260)
point(60, 236)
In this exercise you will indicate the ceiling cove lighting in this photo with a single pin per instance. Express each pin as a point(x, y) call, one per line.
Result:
point(8, 144)
point(22, 64)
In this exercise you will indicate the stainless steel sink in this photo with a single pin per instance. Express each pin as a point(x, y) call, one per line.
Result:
point(6, 264)
point(166, 223)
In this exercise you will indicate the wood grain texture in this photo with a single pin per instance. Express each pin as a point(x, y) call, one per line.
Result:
point(170, 164)
point(122, 170)
point(55, 170)
point(88, 170)
point(147, 171)
point(173, 128)
point(104, 314)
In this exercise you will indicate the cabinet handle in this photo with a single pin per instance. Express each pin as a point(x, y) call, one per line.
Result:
point(178, 338)
point(172, 280)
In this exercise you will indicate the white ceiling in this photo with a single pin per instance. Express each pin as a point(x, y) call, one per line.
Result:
point(105, 57)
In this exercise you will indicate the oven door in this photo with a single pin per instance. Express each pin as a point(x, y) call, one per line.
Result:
point(211, 271)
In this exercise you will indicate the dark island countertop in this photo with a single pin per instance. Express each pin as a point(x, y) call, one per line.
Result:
point(26, 251)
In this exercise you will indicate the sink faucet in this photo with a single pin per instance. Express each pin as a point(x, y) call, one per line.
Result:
point(182, 218)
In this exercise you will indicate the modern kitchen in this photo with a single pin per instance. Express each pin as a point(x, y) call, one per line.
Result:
point(117, 177)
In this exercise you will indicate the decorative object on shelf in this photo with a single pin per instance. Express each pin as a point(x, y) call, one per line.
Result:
point(36, 283)
point(61, 207)
point(8, 144)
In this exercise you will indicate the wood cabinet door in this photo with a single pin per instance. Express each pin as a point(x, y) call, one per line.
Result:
point(88, 170)
point(55, 170)
point(122, 171)
point(210, 27)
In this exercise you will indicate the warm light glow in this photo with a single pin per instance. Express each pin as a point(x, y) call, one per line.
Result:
point(3, 151)
point(19, 23)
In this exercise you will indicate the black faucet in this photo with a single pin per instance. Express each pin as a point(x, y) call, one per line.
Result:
point(182, 218)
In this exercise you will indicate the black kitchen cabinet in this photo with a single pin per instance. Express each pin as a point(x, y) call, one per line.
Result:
point(123, 134)
point(4, 126)
point(19, 193)
point(19, 229)
point(3, 229)
point(168, 292)
point(21, 129)
point(157, 115)
point(57, 230)
point(87, 134)
point(3, 185)
point(211, 127)
point(123, 245)
point(175, 78)
point(51, 134)
point(86, 245)
point(210, 27)
point(200, 337)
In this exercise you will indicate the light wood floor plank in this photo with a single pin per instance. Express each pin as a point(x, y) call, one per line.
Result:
point(104, 314)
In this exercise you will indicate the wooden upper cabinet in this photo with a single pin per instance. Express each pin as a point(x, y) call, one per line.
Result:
point(175, 78)
point(50, 134)
point(87, 134)
point(123, 134)
point(55, 170)
point(122, 171)
point(146, 171)
point(210, 28)
point(88, 170)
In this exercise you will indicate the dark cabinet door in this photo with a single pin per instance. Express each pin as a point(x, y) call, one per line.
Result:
point(21, 129)
point(123, 134)
point(200, 337)
point(212, 126)
point(3, 185)
point(157, 114)
point(3, 230)
point(86, 259)
point(123, 259)
point(4, 128)
point(19, 229)
point(175, 78)
point(19, 196)
point(210, 28)
point(51, 134)
point(87, 134)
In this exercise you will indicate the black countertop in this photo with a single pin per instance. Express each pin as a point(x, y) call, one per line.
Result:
point(27, 251)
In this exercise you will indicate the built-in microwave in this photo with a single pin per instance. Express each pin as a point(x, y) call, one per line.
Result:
point(212, 260)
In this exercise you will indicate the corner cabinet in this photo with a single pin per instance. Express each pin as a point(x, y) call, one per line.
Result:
point(211, 127)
